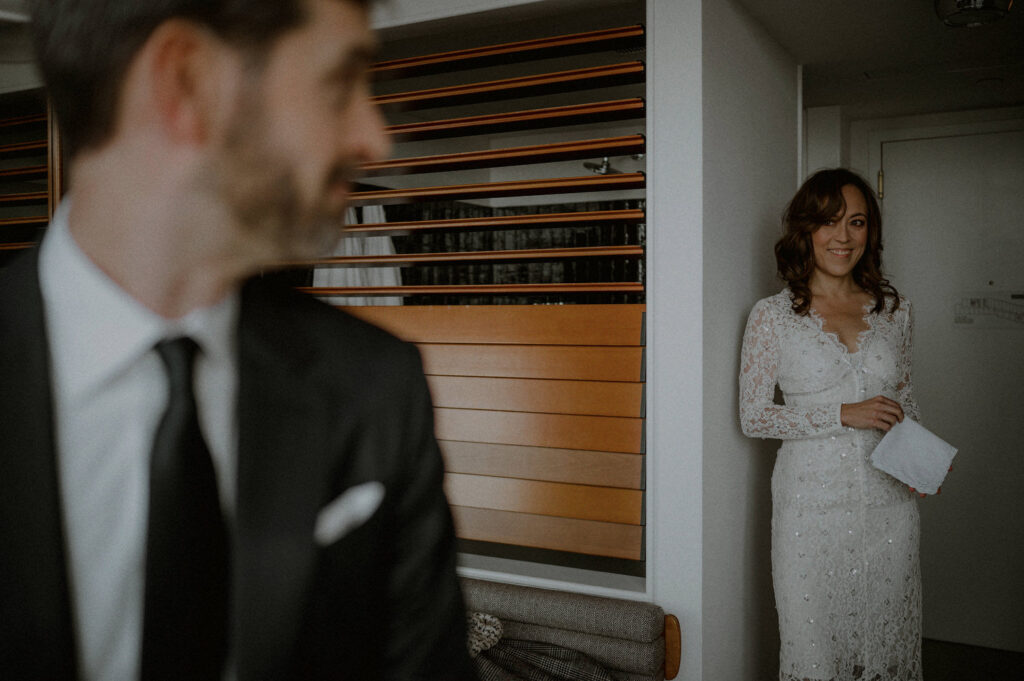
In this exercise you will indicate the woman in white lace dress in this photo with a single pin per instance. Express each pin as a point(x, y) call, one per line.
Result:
point(837, 342)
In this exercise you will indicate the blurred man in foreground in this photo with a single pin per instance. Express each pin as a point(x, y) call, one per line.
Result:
point(204, 475)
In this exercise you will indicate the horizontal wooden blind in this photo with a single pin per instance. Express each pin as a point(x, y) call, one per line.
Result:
point(30, 170)
point(525, 78)
point(539, 412)
point(539, 409)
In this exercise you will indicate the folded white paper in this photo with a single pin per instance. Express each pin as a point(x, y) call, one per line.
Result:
point(914, 455)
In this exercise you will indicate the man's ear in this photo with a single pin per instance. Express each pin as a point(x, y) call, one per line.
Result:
point(188, 68)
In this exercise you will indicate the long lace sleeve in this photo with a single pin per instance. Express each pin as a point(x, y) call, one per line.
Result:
point(905, 388)
point(760, 416)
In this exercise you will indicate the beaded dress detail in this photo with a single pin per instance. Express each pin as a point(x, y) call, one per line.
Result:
point(844, 535)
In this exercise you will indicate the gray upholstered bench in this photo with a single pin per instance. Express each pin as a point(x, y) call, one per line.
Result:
point(628, 640)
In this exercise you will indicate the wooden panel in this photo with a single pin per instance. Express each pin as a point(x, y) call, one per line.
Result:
point(400, 259)
point(597, 398)
point(607, 469)
point(544, 187)
point(498, 158)
point(523, 86)
point(561, 431)
point(22, 120)
point(544, 532)
point(630, 216)
point(34, 220)
point(23, 199)
point(20, 246)
point(19, 149)
point(525, 324)
point(606, 504)
point(25, 173)
point(534, 361)
point(673, 647)
point(510, 53)
point(531, 119)
point(476, 289)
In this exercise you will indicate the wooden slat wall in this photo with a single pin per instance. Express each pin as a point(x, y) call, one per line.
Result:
point(587, 325)
point(530, 119)
point(614, 38)
point(534, 361)
point(546, 532)
point(598, 398)
point(525, 86)
point(594, 87)
point(30, 170)
point(539, 411)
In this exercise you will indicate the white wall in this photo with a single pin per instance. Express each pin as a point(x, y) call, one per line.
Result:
point(826, 136)
point(674, 347)
point(17, 70)
point(16, 77)
point(750, 169)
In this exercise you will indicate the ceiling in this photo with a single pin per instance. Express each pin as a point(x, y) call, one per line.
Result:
point(895, 57)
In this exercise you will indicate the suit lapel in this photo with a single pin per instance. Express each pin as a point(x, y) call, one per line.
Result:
point(282, 477)
point(35, 614)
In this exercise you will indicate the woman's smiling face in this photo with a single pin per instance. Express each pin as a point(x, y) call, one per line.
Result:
point(839, 243)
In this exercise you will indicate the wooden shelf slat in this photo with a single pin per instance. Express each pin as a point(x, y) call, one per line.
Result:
point(506, 53)
point(522, 86)
point(34, 220)
point(605, 469)
point(559, 325)
point(498, 158)
point(22, 120)
point(594, 398)
point(532, 119)
point(476, 289)
point(560, 431)
point(27, 172)
point(23, 148)
point(629, 216)
point(17, 246)
point(559, 185)
point(478, 256)
point(583, 502)
point(23, 198)
point(570, 362)
point(614, 540)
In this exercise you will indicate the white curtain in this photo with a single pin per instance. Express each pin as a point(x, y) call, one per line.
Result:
point(361, 276)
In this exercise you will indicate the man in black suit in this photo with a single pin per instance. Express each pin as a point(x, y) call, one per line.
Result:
point(211, 140)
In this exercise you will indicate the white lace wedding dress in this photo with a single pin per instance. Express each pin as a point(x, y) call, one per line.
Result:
point(844, 534)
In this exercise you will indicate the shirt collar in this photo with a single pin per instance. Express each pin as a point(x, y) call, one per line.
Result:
point(97, 329)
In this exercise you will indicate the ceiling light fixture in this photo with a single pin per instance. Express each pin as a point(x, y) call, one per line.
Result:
point(971, 13)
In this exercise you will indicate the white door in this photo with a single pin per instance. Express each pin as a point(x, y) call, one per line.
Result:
point(953, 211)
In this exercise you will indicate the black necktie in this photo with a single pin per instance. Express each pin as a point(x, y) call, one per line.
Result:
point(185, 615)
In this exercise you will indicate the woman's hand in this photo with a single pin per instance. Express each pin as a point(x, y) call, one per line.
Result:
point(879, 412)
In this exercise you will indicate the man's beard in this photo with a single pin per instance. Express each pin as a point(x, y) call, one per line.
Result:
point(261, 191)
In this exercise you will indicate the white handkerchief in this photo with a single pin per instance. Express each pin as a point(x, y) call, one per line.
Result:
point(350, 510)
point(914, 455)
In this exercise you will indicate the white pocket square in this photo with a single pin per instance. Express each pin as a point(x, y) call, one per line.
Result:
point(350, 510)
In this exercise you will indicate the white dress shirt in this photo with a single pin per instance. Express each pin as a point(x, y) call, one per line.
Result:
point(110, 390)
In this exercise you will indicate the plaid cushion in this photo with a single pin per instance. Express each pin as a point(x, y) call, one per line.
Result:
point(515, 660)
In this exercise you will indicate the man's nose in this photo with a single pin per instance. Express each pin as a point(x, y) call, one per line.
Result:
point(373, 144)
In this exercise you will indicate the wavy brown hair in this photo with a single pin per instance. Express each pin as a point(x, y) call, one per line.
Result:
point(819, 199)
